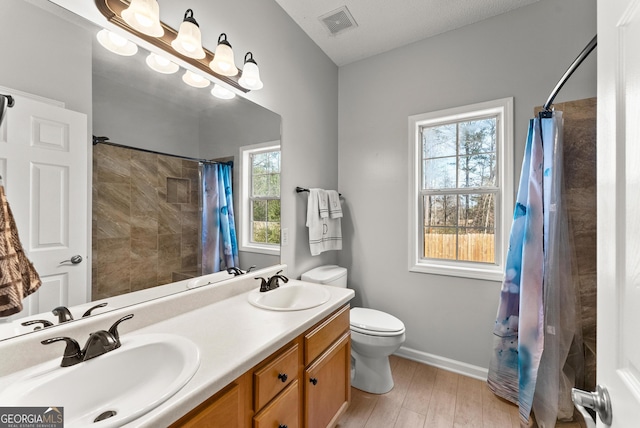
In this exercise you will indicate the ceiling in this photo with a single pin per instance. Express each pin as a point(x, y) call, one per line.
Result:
point(383, 25)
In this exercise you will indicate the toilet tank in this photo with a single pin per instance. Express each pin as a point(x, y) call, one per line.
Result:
point(328, 275)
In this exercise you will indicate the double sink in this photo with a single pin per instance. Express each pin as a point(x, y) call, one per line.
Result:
point(145, 371)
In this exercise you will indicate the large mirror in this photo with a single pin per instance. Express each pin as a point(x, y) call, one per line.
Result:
point(159, 128)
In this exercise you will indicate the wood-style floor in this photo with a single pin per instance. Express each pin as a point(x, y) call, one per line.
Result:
point(428, 397)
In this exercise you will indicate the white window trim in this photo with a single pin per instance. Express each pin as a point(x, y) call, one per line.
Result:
point(244, 208)
point(493, 272)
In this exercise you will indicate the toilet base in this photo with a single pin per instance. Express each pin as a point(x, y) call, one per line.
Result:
point(371, 375)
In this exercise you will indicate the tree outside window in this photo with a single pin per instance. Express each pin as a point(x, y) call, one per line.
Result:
point(265, 197)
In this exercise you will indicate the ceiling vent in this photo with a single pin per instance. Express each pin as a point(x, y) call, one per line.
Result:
point(338, 21)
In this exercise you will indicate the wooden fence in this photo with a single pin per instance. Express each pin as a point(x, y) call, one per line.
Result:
point(475, 247)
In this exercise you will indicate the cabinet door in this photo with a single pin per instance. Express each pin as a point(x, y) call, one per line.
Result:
point(223, 410)
point(328, 385)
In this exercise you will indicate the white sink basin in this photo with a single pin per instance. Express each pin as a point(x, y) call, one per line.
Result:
point(292, 296)
point(130, 381)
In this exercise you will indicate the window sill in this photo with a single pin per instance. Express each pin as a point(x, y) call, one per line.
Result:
point(472, 271)
point(260, 249)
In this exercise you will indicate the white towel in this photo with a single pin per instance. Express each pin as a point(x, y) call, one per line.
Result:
point(335, 209)
point(314, 223)
point(323, 203)
point(324, 233)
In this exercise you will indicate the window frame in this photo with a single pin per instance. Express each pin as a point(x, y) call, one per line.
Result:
point(503, 109)
point(245, 199)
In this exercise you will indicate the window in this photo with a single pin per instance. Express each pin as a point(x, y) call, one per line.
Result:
point(461, 190)
point(260, 198)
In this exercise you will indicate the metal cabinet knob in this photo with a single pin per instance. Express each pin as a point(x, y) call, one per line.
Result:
point(313, 380)
point(598, 401)
point(283, 377)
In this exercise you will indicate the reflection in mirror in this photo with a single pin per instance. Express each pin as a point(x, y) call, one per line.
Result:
point(146, 225)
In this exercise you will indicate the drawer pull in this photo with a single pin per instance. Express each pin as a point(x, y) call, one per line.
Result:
point(283, 377)
point(282, 426)
point(313, 380)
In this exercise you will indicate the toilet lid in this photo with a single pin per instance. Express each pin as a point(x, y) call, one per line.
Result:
point(371, 321)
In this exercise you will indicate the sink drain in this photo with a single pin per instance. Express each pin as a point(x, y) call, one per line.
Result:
point(105, 415)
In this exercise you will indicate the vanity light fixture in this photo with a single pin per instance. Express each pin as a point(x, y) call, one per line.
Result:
point(116, 43)
point(189, 40)
point(161, 64)
point(144, 16)
point(223, 62)
point(222, 92)
point(215, 67)
point(250, 78)
point(195, 80)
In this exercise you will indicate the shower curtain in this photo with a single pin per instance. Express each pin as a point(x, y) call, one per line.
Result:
point(535, 326)
point(219, 243)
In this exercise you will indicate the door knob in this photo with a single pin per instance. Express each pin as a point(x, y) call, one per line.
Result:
point(598, 401)
point(74, 259)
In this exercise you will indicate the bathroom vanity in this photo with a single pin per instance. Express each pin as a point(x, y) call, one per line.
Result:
point(303, 384)
point(257, 367)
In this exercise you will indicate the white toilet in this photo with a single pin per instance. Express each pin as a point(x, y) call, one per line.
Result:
point(374, 336)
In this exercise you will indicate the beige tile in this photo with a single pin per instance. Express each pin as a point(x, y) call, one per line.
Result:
point(468, 402)
point(409, 419)
point(384, 414)
point(359, 410)
point(420, 389)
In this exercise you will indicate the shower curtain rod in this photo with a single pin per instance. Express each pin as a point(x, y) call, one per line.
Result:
point(105, 140)
point(567, 74)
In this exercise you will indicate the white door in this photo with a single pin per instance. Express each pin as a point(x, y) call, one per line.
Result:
point(619, 208)
point(43, 163)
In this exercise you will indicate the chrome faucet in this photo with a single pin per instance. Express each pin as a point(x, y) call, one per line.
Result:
point(273, 282)
point(98, 343)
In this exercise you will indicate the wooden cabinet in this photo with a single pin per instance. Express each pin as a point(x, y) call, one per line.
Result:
point(225, 409)
point(283, 411)
point(327, 374)
point(305, 384)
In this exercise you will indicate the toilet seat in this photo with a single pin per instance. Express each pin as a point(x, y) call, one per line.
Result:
point(375, 323)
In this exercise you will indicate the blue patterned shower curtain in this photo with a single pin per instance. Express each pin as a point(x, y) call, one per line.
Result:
point(536, 323)
point(219, 243)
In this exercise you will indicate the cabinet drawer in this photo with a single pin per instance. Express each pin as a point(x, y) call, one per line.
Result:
point(321, 337)
point(283, 411)
point(275, 376)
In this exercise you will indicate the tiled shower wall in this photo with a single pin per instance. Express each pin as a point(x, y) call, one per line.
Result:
point(580, 190)
point(145, 225)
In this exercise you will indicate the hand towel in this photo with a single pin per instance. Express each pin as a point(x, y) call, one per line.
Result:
point(324, 233)
point(323, 203)
point(18, 277)
point(314, 223)
point(335, 209)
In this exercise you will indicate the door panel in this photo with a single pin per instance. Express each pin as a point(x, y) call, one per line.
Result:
point(44, 164)
point(618, 207)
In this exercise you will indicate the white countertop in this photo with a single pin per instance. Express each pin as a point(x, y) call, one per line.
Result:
point(232, 336)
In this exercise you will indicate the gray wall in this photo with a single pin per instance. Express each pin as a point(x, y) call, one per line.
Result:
point(38, 65)
point(521, 54)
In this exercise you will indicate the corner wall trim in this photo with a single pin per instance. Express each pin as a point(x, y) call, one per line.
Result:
point(459, 367)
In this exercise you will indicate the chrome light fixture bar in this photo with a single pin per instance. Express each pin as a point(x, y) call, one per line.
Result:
point(112, 11)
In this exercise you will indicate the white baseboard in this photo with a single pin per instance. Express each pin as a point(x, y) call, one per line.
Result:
point(459, 367)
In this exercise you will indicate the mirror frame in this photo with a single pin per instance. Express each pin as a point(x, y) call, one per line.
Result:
point(112, 11)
